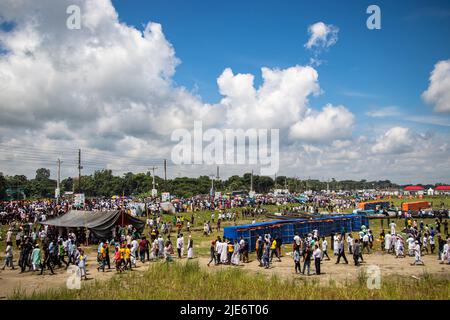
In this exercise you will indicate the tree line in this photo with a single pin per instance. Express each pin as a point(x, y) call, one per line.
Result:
point(103, 183)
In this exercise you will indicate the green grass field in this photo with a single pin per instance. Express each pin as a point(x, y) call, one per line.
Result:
point(187, 280)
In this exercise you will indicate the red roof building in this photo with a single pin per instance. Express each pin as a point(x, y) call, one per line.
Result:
point(414, 188)
point(442, 188)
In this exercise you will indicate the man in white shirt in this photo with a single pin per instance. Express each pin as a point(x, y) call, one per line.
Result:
point(410, 241)
point(297, 240)
point(387, 242)
point(317, 255)
point(365, 240)
point(417, 254)
point(180, 245)
point(350, 243)
point(324, 248)
point(392, 226)
point(9, 235)
point(336, 244)
point(134, 249)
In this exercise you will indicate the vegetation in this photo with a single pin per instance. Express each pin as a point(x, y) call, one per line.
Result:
point(104, 183)
point(188, 281)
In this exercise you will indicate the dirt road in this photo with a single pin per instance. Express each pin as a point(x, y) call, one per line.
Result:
point(11, 280)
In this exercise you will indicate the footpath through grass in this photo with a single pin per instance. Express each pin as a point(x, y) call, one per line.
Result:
point(188, 281)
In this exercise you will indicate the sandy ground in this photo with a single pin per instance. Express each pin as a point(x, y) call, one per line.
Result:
point(11, 280)
point(388, 265)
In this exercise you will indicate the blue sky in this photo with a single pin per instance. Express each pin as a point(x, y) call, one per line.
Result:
point(365, 70)
point(109, 87)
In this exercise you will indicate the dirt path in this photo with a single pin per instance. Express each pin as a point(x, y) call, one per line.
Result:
point(11, 280)
point(388, 264)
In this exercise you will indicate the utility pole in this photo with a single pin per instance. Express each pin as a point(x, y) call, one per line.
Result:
point(217, 177)
point(165, 170)
point(212, 186)
point(251, 182)
point(275, 180)
point(153, 175)
point(58, 181)
point(79, 170)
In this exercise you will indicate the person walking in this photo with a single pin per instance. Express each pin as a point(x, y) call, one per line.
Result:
point(350, 243)
point(356, 252)
point(266, 255)
point(179, 246)
point(128, 262)
point(274, 251)
point(365, 240)
point(259, 250)
point(324, 248)
point(307, 259)
point(9, 256)
point(118, 259)
point(297, 266)
point(417, 255)
point(102, 258)
point(62, 254)
point(212, 253)
point(47, 261)
point(190, 247)
point(317, 255)
point(341, 251)
point(82, 265)
point(36, 258)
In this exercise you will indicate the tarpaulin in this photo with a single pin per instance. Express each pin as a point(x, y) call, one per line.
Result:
point(101, 223)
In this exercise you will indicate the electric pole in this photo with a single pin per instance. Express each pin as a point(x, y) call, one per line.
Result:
point(251, 182)
point(212, 191)
point(58, 181)
point(153, 183)
point(79, 170)
point(165, 170)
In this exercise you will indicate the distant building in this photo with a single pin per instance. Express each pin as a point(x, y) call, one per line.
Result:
point(414, 190)
point(441, 190)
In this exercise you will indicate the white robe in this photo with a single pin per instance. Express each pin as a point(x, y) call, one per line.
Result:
point(190, 253)
point(223, 254)
point(387, 242)
point(336, 245)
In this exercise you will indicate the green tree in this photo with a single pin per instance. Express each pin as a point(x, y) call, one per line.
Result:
point(3, 184)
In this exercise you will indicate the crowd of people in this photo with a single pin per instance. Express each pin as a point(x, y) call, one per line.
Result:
point(42, 248)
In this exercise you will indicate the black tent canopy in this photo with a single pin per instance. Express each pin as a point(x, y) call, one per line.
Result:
point(101, 223)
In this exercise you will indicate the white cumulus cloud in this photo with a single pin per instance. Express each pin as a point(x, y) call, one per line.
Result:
point(329, 124)
point(322, 35)
point(278, 103)
point(396, 140)
point(438, 92)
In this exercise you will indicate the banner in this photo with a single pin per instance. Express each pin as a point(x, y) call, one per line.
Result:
point(165, 196)
point(79, 199)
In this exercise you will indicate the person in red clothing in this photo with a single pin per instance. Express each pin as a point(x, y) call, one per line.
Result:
point(143, 247)
point(118, 260)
